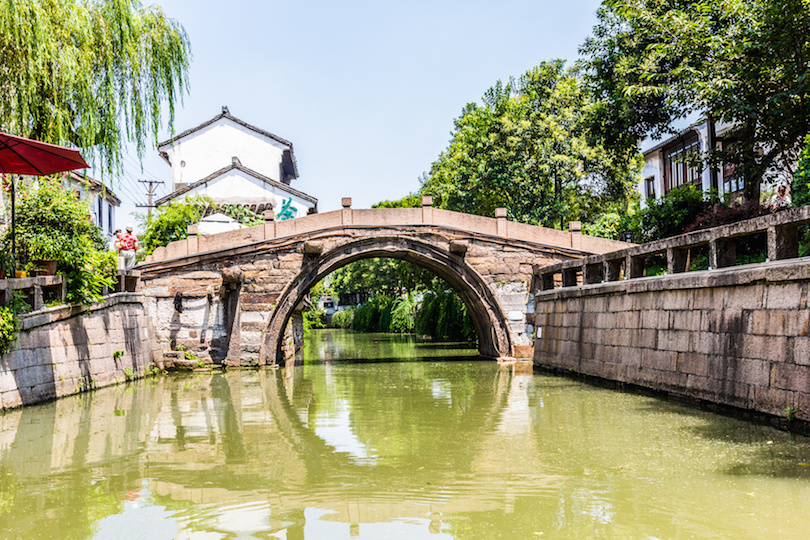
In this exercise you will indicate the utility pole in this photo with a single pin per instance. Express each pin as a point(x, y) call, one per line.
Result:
point(150, 194)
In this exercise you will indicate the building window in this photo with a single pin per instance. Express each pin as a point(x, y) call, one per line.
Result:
point(100, 213)
point(678, 167)
point(110, 220)
point(732, 181)
point(649, 187)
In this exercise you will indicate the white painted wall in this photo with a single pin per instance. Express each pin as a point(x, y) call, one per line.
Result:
point(653, 166)
point(103, 219)
point(238, 187)
point(217, 223)
point(213, 147)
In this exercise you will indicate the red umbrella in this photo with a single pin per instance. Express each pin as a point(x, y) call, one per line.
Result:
point(25, 156)
point(19, 155)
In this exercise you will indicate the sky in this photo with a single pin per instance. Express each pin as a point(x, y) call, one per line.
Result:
point(366, 91)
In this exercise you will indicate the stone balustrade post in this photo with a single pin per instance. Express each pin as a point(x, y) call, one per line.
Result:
point(722, 253)
point(269, 224)
point(613, 269)
point(346, 213)
point(575, 228)
point(427, 209)
point(783, 242)
point(38, 300)
point(500, 216)
point(192, 239)
point(676, 260)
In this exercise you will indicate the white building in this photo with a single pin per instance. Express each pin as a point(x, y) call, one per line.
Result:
point(235, 163)
point(667, 165)
point(102, 201)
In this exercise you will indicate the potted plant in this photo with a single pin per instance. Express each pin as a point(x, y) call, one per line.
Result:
point(43, 253)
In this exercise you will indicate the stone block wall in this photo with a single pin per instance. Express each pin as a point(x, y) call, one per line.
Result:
point(66, 350)
point(738, 336)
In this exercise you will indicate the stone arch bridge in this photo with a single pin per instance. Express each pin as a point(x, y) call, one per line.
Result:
point(234, 297)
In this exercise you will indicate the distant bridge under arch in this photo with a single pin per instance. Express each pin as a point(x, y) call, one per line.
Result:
point(232, 296)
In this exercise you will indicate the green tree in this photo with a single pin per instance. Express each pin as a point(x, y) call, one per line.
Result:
point(73, 70)
point(801, 180)
point(390, 277)
point(411, 200)
point(170, 222)
point(651, 63)
point(526, 148)
point(52, 222)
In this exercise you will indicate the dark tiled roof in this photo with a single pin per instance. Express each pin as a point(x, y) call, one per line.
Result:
point(236, 164)
point(290, 164)
point(670, 140)
point(691, 129)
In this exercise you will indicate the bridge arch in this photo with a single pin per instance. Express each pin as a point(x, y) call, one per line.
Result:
point(490, 322)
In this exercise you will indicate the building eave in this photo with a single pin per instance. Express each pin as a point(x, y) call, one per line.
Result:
point(237, 165)
point(97, 186)
point(671, 140)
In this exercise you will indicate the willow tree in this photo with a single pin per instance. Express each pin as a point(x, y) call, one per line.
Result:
point(95, 74)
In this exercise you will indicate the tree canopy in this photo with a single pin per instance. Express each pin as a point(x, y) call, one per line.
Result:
point(170, 222)
point(381, 276)
point(526, 148)
point(651, 63)
point(74, 70)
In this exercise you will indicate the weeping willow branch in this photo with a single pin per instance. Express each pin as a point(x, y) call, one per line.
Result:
point(95, 74)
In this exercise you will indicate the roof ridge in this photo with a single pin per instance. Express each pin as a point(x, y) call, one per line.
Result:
point(236, 164)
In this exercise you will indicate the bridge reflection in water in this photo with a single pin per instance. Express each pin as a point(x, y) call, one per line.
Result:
point(396, 449)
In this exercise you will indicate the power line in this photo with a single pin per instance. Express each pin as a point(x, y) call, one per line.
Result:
point(139, 166)
point(150, 194)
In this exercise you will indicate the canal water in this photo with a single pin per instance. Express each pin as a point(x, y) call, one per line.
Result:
point(379, 436)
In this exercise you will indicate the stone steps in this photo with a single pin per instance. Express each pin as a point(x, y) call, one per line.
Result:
point(177, 361)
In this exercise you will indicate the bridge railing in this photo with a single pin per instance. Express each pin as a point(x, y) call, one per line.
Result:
point(382, 217)
point(780, 228)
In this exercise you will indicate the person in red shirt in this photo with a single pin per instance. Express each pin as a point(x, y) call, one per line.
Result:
point(127, 247)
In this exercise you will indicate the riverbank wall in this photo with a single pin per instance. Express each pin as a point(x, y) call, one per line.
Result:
point(70, 349)
point(732, 336)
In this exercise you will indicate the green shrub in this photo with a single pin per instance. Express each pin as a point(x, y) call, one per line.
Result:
point(170, 223)
point(314, 318)
point(672, 214)
point(609, 225)
point(343, 318)
point(8, 329)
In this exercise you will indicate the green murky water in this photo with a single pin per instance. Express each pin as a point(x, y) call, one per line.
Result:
point(428, 443)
